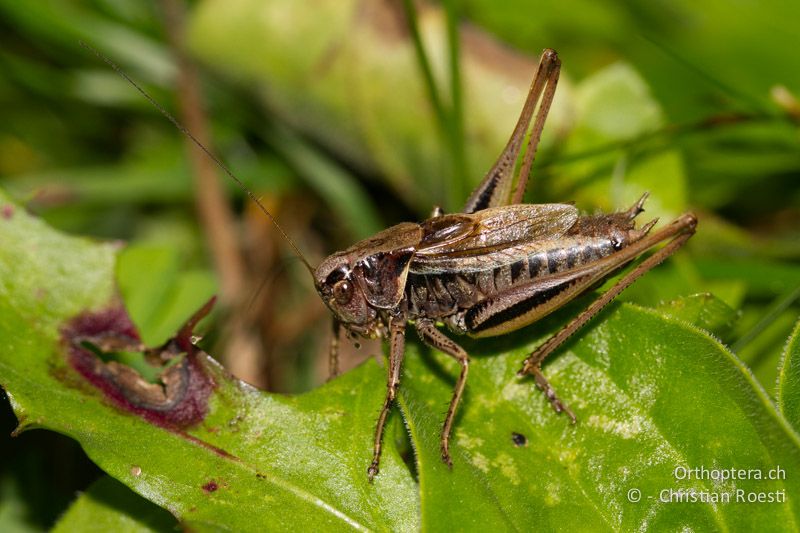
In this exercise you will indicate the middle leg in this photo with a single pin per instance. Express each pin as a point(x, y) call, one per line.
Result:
point(439, 341)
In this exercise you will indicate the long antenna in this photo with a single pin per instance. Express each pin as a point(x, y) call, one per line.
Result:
point(200, 145)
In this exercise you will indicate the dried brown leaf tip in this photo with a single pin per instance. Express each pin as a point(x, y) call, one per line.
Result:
point(105, 348)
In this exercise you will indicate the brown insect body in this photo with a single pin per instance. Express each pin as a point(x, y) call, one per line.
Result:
point(555, 262)
point(498, 266)
point(449, 268)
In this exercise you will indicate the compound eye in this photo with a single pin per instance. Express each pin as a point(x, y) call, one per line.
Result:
point(343, 292)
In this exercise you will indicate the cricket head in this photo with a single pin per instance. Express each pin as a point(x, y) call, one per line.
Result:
point(338, 287)
point(370, 276)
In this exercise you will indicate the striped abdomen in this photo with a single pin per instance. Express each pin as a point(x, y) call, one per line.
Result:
point(439, 294)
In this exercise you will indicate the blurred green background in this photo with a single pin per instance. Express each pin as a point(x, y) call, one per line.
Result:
point(347, 116)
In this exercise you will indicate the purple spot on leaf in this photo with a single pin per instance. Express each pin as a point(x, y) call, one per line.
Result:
point(178, 401)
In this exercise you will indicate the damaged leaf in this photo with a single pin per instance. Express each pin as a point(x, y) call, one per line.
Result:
point(642, 384)
point(219, 454)
point(158, 296)
point(176, 398)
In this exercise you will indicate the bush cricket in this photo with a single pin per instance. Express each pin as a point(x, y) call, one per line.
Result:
point(496, 267)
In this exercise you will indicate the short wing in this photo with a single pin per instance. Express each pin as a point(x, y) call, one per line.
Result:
point(491, 237)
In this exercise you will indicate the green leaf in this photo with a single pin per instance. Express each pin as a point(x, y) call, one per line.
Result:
point(294, 462)
point(615, 104)
point(13, 509)
point(789, 379)
point(703, 310)
point(642, 384)
point(698, 55)
point(158, 296)
point(763, 354)
point(344, 106)
point(763, 277)
point(663, 175)
point(651, 394)
point(613, 108)
point(108, 505)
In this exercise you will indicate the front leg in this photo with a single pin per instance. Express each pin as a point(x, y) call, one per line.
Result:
point(333, 351)
point(397, 332)
point(439, 341)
